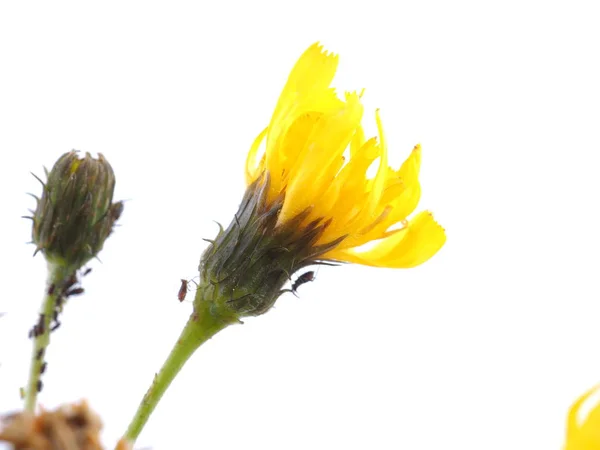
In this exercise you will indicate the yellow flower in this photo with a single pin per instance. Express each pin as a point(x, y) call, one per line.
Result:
point(317, 157)
point(583, 433)
point(311, 199)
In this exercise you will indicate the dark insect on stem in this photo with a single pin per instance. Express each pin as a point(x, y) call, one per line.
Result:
point(51, 289)
point(74, 291)
point(39, 354)
point(304, 278)
point(87, 271)
point(40, 327)
point(56, 323)
point(70, 282)
point(40, 385)
point(183, 290)
point(43, 367)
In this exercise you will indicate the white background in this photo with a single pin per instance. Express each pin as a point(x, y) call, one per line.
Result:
point(485, 346)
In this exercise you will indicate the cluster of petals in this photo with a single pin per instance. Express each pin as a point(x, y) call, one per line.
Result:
point(316, 154)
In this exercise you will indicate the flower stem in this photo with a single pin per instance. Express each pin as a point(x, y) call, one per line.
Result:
point(203, 324)
point(57, 275)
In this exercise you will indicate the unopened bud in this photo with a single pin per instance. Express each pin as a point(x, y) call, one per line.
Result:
point(75, 214)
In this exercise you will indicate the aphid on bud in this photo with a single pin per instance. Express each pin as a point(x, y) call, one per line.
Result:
point(304, 278)
point(183, 290)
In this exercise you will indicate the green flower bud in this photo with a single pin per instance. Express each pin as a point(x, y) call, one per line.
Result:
point(75, 214)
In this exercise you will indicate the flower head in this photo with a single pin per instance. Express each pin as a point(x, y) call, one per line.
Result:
point(75, 214)
point(583, 431)
point(317, 158)
point(310, 198)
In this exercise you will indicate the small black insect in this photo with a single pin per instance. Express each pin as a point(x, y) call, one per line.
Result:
point(43, 367)
point(40, 385)
point(304, 278)
point(51, 289)
point(87, 271)
point(40, 327)
point(70, 282)
point(74, 291)
point(56, 323)
point(39, 354)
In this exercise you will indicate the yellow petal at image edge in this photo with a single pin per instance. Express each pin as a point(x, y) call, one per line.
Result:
point(583, 433)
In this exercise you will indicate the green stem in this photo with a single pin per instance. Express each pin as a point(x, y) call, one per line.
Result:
point(56, 278)
point(203, 324)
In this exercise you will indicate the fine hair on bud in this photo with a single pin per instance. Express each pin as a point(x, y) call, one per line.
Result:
point(75, 213)
point(247, 265)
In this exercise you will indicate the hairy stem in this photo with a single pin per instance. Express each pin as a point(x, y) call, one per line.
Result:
point(57, 275)
point(203, 324)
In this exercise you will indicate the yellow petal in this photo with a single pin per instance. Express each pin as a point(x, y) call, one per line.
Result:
point(399, 199)
point(293, 145)
point(404, 203)
point(320, 159)
point(253, 167)
point(307, 89)
point(409, 247)
point(360, 201)
point(382, 170)
point(357, 141)
point(583, 433)
point(409, 171)
point(353, 193)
